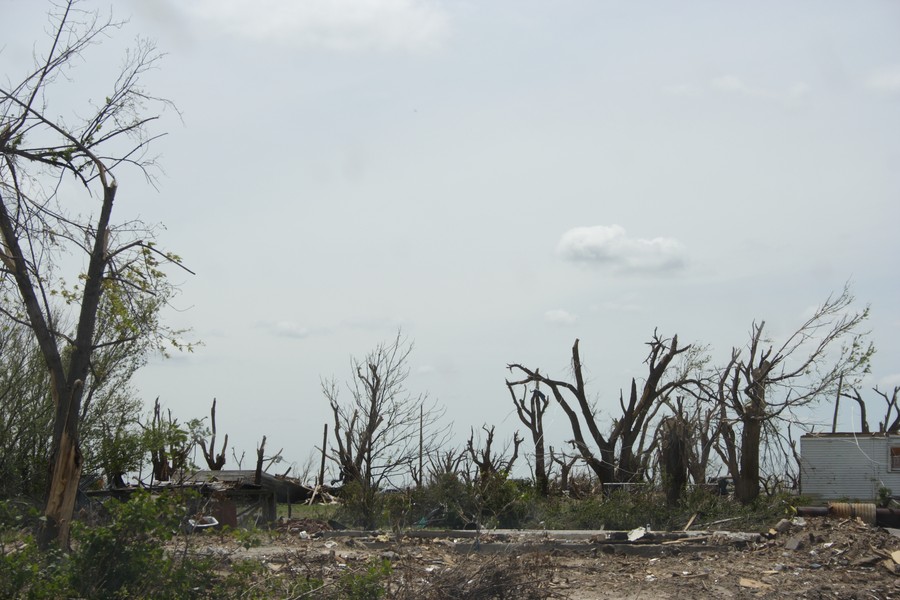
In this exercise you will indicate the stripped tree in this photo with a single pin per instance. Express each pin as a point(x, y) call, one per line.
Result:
point(618, 455)
point(486, 458)
point(44, 219)
point(214, 461)
point(531, 408)
point(764, 384)
point(381, 429)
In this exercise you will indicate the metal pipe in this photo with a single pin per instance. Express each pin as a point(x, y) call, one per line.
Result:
point(885, 517)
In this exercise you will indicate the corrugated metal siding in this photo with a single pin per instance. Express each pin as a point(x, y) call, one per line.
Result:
point(847, 466)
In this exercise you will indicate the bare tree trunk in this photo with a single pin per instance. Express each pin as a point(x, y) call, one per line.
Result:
point(837, 405)
point(324, 452)
point(532, 416)
point(260, 453)
point(674, 454)
point(746, 484)
point(421, 476)
point(64, 478)
point(215, 462)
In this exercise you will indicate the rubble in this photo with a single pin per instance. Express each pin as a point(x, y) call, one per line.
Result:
point(805, 558)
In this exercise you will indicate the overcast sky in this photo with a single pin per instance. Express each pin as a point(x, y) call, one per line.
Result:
point(498, 178)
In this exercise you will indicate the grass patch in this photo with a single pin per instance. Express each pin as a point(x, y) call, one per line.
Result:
point(321, 512)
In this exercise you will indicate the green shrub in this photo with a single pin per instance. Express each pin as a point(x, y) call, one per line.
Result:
point(638, 507)
point(251, 580)
point(25, 572)
point(127, 557)
point(505, 502)
point(446, 502)
point(361, 506)
point(367, 585)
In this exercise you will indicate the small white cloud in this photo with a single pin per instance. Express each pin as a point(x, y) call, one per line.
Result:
point(560, 317)
point(426, 370)
point(885, 80)
point(332, 24)
point(610, 246)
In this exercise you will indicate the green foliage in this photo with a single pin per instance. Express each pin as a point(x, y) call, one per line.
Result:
point(361, 506)
point(366, 585)
point(621, 510)
point(111, 441)
point(321, 512)
point(504, 502)
point(25, 572)
point(127, 556)
point(625, 510)
point(251, 580)
point(247, 538)
point(450, 503)
point(26, 414)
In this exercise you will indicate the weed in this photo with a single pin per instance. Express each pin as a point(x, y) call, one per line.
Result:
point(368, 584)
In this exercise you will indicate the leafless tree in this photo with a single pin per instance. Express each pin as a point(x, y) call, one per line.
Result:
point(263, 462)
point(377, 437)
point(764, 383)
point(566, 463)
point(41, 221)
point(487, 459)
point(215, 462)
point(531, 408)
point(447, 462)
point(891, 421)
point(854, 395)
point(618, 455)
point(889, 424)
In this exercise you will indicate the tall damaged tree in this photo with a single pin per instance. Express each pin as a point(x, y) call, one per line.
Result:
point(45, 159)
point(381, 429)
point(763, 385)
point(618, 455)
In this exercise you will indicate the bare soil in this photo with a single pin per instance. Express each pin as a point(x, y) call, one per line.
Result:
point(811, 558)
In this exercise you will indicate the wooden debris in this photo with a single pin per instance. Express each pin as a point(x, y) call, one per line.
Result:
point(690, 522)
point(696, 538)
point(753, 584)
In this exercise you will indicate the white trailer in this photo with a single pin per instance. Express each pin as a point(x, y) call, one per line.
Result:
point(851, 466)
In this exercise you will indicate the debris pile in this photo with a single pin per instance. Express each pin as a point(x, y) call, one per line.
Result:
point(799, 557)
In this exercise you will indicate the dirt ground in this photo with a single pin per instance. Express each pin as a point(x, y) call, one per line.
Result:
point(803, 558)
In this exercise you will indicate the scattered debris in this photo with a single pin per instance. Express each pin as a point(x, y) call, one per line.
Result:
point(818, 557)
point(746, 582)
